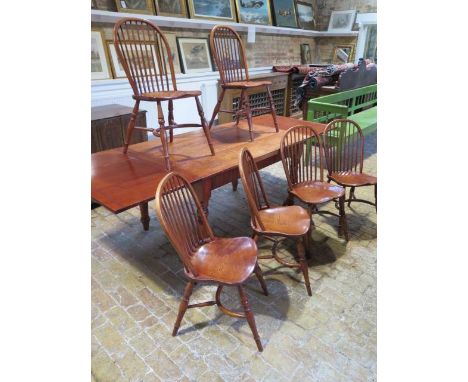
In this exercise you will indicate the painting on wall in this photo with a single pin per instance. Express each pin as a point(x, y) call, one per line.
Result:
point(100, 69)
point(135, 6)
point(254, 12)
point(212, 9)
point(342, 54)
point(172, 8)
point(306, 56)
point(104, 5)
point(341, 21)
point(194, 55)
point(117, 68)
point(306, 15)
point(285, 13)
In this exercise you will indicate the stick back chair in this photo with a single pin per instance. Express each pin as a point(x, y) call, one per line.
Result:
point(343, 143)
point(206, 258)
point(229, 53)
point(302, 157)
point(274, 223)
point(147, 61)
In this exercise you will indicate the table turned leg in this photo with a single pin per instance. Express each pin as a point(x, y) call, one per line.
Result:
point(145, 219)
point(203, 191)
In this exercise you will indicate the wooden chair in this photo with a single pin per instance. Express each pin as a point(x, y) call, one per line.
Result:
point(229, 53)
point(343, 143)
point(147, 61)
point(206, 258)
point(302, 158)
point(274, 223)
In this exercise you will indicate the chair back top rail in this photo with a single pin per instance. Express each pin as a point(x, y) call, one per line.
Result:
point(301, 155)
point(343, 144)
point(182, 217)
point(253, 187)
point(229, 54)
point(145, 56)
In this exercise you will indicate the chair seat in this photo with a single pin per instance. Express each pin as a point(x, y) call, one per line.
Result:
point(353, 179)
point(246, 84)
point(288, 220)
point(225, 260)
point(168, 95)
point(315, 192)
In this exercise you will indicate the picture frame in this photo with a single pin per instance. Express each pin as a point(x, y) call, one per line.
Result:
point(306, 54)
point(285, 13)
point(135, 6)
point(212, 10)
point(194, 55)
point(343, 54)
point(117, 68)
point(105, 5)
point(171, 8)
point(306, 13)
point(342, 21)
point(254, 12)
point(100, 68)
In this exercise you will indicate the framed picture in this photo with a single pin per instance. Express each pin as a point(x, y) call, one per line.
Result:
point(253, 12)
point(306, 56)
point(135, 6)
point(194, 55)
point(342, 54)
point(104, 5)
point(341, 21)
point(285, 13)
point(306, 15)
point(100, 69)
point(173, 8)
point(117, 68)
point(212, 9)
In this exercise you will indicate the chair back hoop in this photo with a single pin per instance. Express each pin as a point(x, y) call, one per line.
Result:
point(343, 144)
point(182, 217)
point(253, 187)
point(229, 54)
point(145, 55)
point(301, 155)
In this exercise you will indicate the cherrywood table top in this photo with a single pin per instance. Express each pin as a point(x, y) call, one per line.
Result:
point(121, 181)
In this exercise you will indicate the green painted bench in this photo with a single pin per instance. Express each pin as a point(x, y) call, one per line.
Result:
point(359, 105)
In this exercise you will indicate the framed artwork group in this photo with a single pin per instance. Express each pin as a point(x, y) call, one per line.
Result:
point(282, 13)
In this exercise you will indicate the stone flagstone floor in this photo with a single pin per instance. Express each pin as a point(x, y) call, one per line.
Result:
point(137, 282)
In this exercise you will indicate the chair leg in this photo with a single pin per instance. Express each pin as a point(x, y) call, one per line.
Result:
point(351, 196)
point(375, 195)
point(289, 201)
point(248, 113)
point(206, 130)
point(272, 107)
point(217, 107)
point(162, 135)
point(259, 274)
point(250, 317)
point(343, 227)
point(303, 263)
point(131, 125)
point(241, 106)
point(171, 120)
point(183, 306)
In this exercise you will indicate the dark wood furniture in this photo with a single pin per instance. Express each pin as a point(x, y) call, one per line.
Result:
point(207, 259)
point(303, 162)
point(120, 182)
point(147, 61)
point(109, 127)
point(257, 96)
point(343, 144)
point(229, 53)
point(274, 223)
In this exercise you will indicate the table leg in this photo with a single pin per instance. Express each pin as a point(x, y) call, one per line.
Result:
point(203, 191)
point(145, 219)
